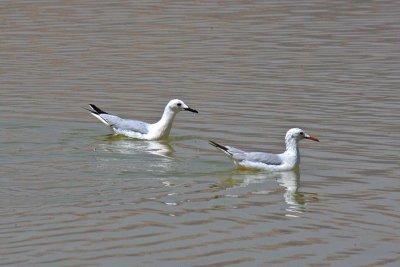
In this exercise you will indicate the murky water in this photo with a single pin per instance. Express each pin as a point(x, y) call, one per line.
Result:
point(73, 196)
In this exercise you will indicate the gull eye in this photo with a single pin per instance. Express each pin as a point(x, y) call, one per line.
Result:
point(301, 133)
point(179, 104)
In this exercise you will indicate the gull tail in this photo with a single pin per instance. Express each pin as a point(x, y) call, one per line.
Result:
point(97, 112)
point(220, 147)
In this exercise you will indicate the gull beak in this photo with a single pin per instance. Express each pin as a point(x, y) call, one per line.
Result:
point(310, 137)
point(191, 110)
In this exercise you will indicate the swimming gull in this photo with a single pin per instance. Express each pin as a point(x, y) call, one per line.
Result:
point(286, 161)
point(139, 129)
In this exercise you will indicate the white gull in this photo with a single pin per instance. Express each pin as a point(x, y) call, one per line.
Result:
point(286, 161)
point(139, 129)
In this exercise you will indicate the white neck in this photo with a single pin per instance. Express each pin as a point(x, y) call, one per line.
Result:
point(292, 153)
point(163, 126)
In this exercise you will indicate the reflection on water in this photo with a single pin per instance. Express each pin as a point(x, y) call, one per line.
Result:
point(130, 157)
point(295, 199)
point(124, 145)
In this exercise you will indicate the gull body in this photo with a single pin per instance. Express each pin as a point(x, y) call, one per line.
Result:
point(286, 161)
point(139, 129)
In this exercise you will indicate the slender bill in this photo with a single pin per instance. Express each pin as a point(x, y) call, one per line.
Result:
point(191, 110)
point(313, 138)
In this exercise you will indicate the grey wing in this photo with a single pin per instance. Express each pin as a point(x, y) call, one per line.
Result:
point(125, 125)
point(267, 158)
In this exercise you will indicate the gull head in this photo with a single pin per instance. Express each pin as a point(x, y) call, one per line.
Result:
point(177, 105)
point(299, 134)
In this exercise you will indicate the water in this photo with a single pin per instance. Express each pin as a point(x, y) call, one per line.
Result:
point(73, 196)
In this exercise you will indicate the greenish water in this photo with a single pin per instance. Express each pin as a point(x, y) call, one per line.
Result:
point(71, 195)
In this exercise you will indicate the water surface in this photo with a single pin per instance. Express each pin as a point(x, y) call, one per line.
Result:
point(73, 196)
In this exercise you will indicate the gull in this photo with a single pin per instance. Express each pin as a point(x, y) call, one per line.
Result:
point(286, 161)
point(139, 129)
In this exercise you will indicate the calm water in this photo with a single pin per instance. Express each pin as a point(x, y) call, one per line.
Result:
point(73, 196)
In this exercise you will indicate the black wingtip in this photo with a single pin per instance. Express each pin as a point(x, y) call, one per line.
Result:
point(97, 110)
point(217, 145)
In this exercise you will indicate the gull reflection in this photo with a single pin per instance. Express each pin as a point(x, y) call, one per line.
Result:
point(124, 156)
point(294, 199)
point(289, 180)
point(124, 145)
